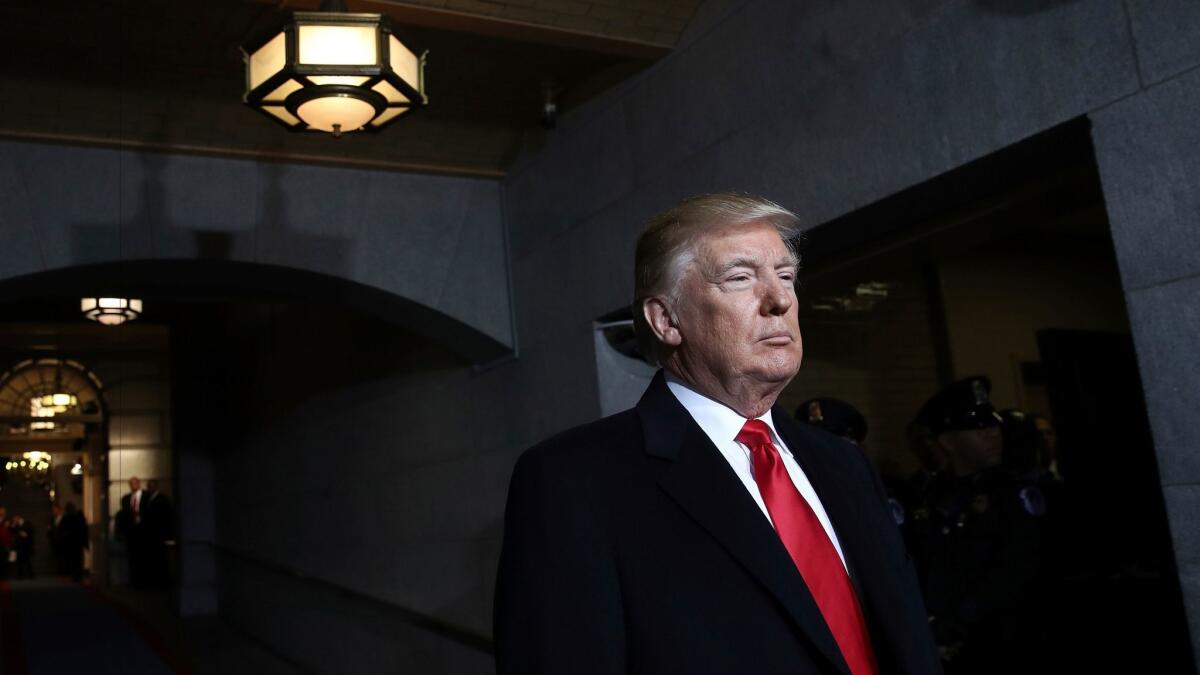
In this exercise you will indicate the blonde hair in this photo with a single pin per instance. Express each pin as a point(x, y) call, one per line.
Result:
point(666, 246)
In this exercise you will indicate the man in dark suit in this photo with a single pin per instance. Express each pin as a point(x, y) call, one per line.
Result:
point(704, 531)
point(6, 543)
point(158, 528)
point(69, 537)
point(132, 531)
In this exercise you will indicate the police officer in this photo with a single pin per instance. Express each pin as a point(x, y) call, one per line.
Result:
point(974, 538)
point(839, 417)
point(835, 416)
point(908, 494)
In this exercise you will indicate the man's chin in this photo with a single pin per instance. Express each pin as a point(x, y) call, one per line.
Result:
point(777, 373)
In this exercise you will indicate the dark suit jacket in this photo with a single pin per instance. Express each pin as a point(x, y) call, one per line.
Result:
point(630, 546)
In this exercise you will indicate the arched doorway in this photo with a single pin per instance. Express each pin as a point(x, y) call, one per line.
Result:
point(52, 445)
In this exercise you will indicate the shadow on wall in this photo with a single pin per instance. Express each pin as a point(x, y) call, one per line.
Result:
point(150, 231)
point(358, 509)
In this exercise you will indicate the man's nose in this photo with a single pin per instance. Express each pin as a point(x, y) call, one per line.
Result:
point(777, 296)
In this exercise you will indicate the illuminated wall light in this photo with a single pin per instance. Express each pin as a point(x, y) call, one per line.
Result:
point(111, 311)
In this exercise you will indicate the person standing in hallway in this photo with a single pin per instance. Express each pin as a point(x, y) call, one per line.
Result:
point(7, 553)
point(1049, 458)
point(705, 530)
point(976, 538)
point(23, 536)
point(159, 532)
point(73, 540)
point(54, 532)
point(130, 530)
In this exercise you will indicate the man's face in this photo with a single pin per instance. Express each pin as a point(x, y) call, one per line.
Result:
point(974, 449)
point(134, 485)
point(1049, 438)
point(737, 306)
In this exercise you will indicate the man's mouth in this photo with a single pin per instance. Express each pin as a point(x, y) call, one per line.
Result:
point(777, 339)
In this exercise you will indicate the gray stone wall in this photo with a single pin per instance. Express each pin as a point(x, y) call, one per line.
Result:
point(436, 241)
point(1148, 148)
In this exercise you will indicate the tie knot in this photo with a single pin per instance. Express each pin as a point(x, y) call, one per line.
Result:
point(754, 433)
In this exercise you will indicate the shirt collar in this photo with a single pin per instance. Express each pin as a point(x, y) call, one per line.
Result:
point(718, 421)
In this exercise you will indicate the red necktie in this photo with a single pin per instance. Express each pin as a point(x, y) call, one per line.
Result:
point(811, 550)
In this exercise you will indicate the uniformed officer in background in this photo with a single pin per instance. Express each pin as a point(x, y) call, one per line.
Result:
point(843, 419)
point(907, 495)
point(835, 416)
point(974, 538)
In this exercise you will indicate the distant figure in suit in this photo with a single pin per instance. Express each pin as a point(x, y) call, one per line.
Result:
point(7, 554)
point(158, 525)
point(23, 536)
point(706, 531)
point(130, 529)
point(69, 539)
point(55, 534)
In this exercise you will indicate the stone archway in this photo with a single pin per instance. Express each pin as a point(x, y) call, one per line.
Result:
point(430, 251)
point(52, 440)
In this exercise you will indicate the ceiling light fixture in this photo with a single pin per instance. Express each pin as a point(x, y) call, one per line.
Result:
point(111, 311)
point(59, 403)
point(333, 71)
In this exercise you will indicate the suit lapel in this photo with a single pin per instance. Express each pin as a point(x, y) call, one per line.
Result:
point(703, 484)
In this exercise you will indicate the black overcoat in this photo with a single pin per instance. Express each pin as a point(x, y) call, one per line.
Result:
point(630, 546)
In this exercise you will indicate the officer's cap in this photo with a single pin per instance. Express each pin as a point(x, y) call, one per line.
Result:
point(961, 406)
point(835, 416)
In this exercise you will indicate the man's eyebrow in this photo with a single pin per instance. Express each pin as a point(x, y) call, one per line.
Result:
point(736, 262)
point(751, 263)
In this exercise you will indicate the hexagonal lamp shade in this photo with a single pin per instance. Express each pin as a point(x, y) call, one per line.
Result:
point(335, 72)
point(111, 311)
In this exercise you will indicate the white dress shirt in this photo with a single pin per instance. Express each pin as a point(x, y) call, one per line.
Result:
point(722, 424)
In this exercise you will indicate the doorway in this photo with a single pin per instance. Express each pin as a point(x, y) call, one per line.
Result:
point(1005, 268)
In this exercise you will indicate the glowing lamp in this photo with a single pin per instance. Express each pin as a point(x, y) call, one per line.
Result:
point(111, 311)
point(333, 71)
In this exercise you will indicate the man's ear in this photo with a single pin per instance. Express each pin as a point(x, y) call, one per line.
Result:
point(661, 321)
